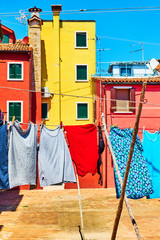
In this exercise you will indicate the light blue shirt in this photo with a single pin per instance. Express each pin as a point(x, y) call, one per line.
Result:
point(55, 163)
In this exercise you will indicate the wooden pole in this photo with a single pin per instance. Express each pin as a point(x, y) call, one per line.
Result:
point(135, 131)
point(80, 206)
point(120, 180)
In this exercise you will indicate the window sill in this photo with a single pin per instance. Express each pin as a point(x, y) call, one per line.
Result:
point(82, 80)
point(21, 80)
point(82, 119)
point(123, 112)
point(81, 47)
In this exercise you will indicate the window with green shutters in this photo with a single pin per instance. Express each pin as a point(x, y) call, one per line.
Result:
point(15, 71)
point(81, 39)
point(81, 73)
point(44, 110)
point(5, 38)
point(82, 111)
point(15, 109)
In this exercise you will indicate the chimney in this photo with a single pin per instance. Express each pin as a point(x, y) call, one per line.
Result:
point(56, 9)
point(35, 11)
point(35, 23)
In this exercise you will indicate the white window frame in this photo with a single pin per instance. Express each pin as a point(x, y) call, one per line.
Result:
point(77, 110)
point(47, 110)
point(86, 39)
point(15, 79)
point(76, 73)
point(15, 101)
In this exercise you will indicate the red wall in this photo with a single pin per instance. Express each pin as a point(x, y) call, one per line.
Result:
point(7, 94)
point(31, 101)
point(150, 118)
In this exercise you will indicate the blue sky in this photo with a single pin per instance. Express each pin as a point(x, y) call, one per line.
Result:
point(139, 26)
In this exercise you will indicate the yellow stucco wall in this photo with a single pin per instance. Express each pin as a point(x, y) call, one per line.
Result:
point(59, 59)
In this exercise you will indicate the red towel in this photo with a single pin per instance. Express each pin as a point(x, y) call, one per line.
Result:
point(83, 147)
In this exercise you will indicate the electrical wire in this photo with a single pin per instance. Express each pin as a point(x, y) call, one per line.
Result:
point(128, 40)
point(81, 11)
point(79, 96)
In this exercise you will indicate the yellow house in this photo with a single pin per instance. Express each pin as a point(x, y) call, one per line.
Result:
point(68, 58)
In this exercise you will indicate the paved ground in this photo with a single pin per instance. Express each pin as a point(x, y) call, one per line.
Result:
point(54, 215)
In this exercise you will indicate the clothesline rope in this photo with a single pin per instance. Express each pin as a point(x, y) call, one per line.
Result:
point(109, 126)
point(80, 96)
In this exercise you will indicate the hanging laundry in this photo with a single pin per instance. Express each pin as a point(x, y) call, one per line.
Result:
point(151, 146)
point(83, 147)
point(4, 181)
point(101, 147)
point(55, 163)
point(139, 182)
point(22, 155)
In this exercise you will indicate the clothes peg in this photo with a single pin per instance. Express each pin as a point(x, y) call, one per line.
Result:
point(13, 119)
point(143, 128)
point(31, 122)
point(61, 124)
point(130, 126)
point(115, 125)
point(4, 120)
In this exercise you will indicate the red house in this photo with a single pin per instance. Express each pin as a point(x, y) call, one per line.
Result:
point(123, 84)
point(17, 91)
point(16, 97)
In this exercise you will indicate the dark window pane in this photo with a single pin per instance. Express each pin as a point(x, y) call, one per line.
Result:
point(18, 71)
point(44, 110)
point(15, 71)
point(82, 110)
point(15, 110)
point(81, 39)
point(81, 72)
point(125, 71)
point(5, 38)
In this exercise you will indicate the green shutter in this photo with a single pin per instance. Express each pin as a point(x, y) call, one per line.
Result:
point(15, 71)
point(15, 110)
point(18, 111)
point(82, 110)
point(18, 71)
point(11, 111)
point(44, 110)
point(5, 38)
point(81, 39)
point(81, 72)
point(11, 71)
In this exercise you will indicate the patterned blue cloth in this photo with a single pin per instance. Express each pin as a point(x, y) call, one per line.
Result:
point(151, 146)
point(4, 181)
point(139, 182)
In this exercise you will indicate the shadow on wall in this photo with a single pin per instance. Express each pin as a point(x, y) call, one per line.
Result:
point(44, 74)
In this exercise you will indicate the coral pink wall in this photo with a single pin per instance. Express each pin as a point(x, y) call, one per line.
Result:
point(150, 118)
point(7, 94)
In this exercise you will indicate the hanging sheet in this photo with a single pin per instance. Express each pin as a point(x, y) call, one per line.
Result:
point(139, 182)
point(55, 163)
point(4, 180)
point(151, 146)
point(22, 155)
point(83, 147)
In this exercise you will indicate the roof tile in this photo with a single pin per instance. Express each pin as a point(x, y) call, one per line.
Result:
point(16, 47)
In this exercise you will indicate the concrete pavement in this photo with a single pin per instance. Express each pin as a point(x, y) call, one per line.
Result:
point(54, 215)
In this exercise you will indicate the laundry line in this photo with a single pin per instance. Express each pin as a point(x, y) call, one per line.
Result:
point(101, 125)
point(80, 96)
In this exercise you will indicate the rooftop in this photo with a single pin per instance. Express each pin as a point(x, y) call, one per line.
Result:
point(15, 47)
point(128, 63)
point(126, 80)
